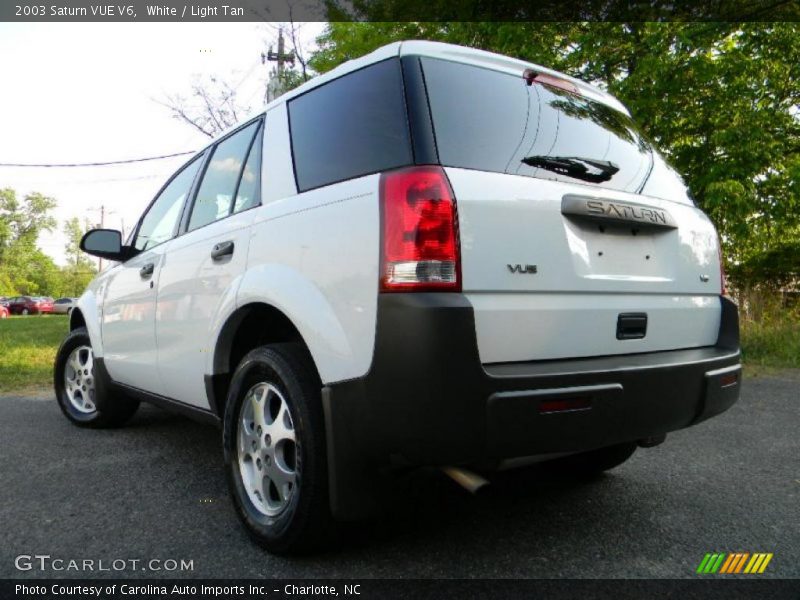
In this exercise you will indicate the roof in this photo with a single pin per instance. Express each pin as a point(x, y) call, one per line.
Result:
point(461, 54)
point(453, 52)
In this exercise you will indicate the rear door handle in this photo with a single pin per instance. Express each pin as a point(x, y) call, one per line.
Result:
point(221, 250)
point(147, 270)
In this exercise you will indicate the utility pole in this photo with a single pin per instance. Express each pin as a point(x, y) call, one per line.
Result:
point(275, 86)
point(102, 209)
point(102, 226)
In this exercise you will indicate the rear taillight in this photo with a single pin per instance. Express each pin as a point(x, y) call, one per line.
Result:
point(420, 231)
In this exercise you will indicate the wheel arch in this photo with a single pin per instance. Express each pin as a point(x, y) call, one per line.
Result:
point(76, 319)
point(86, 314)
point(248, 327)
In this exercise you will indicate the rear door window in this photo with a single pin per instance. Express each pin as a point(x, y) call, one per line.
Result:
point(494, 121)
point(247, 196)
point(215, 194)
point(352, 126)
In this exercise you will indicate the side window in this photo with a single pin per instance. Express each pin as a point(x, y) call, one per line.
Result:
point(351, 126)
point(248, 194)
point(216, 191)
point(158, 224)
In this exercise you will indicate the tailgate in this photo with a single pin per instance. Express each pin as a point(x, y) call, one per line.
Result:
point(562, 255)
point(550, 284)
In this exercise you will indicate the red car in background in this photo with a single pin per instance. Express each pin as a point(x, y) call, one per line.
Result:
point(30, 305)
point(3, 311)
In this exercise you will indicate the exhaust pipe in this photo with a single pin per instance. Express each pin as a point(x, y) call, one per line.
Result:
point(472, 482)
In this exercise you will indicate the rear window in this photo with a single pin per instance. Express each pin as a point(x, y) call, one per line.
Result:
point(495, 121)
point(352, 126)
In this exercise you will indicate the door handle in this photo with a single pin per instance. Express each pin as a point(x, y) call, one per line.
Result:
point(147, 270)
point(221, 250)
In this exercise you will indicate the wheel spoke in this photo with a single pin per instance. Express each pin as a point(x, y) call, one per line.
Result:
point(257, 402)
point(279, 475)
point(282, 427)
point(73, 362)
point(261, 486)
point(248, 440)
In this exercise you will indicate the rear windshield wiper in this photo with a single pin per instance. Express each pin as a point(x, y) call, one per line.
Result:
point(587, 169)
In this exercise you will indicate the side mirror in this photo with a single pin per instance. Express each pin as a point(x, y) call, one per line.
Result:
point(105, 243)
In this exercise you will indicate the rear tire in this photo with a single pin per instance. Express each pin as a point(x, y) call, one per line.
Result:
point(588, 464)
point(274, 449)
point(78, 390)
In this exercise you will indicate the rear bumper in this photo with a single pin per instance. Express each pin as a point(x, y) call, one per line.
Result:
point(427, 399)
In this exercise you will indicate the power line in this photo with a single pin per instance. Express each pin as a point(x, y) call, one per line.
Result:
point(163, 175)
point(97, 164)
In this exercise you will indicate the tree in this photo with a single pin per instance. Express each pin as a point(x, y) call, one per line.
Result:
point(80, 269)
point(213, 106)
point(23, 267)
point(24, 220)
point(719, 99)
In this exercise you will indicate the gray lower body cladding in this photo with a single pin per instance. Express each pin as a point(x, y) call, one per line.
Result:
point(428, 400)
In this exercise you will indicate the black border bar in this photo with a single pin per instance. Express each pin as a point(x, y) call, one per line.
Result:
point(396, 10)
point(403, 589)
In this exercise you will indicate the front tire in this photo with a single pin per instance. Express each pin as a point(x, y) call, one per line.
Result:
point(274, 449)
point(78, 389)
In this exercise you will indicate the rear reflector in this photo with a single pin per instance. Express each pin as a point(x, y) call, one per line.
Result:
point(728, 380)
point(420, 250)
point(565, 405)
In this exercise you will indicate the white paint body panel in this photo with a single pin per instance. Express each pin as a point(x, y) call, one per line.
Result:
point(276, 169)
point(584, 277)
point(128, 322)
point(90, 306)
point(524, 326)
point(195, 293)
point(314, 257)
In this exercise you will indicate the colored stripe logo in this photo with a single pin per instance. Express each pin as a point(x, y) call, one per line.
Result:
point(734, 562)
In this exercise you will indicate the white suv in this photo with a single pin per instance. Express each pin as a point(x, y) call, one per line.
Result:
point(431, 255)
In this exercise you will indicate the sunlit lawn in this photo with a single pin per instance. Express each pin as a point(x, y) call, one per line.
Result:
point(27, 348)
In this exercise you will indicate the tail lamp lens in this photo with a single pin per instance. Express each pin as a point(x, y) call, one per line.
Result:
point(420, 232)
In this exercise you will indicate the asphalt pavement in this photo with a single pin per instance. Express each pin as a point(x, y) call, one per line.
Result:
point(156, 490)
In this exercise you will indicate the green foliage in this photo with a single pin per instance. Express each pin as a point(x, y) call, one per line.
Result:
point(22, 221)
point(719, 99)
point(24, 268)
point(80, 268)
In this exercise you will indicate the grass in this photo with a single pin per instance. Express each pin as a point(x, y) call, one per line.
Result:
point(771, 345)
point(27, 348)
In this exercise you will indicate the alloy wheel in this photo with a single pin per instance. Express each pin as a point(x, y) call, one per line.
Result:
point(267, 449)
point(79, 379)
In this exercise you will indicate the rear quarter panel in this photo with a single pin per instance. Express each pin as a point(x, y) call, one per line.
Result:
point(314, 256)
